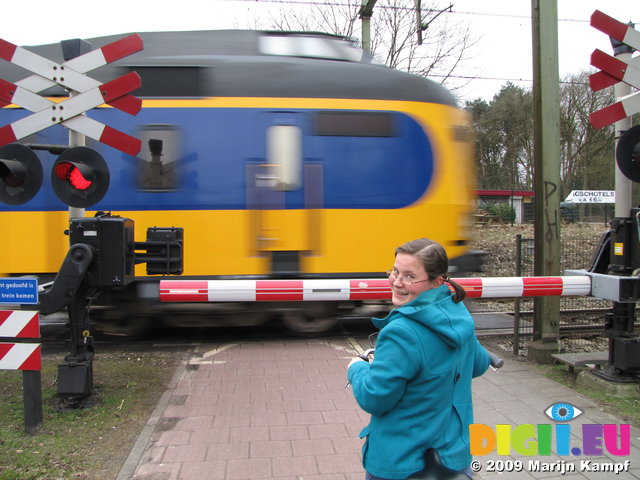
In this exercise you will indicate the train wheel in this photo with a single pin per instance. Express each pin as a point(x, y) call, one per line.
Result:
point(126, 322)
point(309, 320)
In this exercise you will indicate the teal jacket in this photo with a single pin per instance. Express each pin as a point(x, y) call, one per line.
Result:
point(418, 387)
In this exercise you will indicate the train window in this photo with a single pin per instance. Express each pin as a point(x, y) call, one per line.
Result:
point(159, 157)
point(300, 45)
point(354, 124)
point(181, 81)
point(284, 155)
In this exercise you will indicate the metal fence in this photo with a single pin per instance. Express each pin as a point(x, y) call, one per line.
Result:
point(582, 319)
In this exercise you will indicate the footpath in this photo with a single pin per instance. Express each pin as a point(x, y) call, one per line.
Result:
point(280, 410)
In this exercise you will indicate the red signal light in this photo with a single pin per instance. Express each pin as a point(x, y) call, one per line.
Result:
point(71, 173)
point(80, 177)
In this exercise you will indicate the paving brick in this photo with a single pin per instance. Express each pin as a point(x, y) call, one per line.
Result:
point(225, 451)
point(297, 466)
point(184, 453)
point(238, 434)
point(304, 418)
point(270, 449)
point(340, 463)
point(268, 419)
point(351, 444)
point(203, 470)
point(317, 446)
point(213, 435)
point(249, 469)
point(332, 430)
point(340, 416)
point(174, 437)
point(288, 432)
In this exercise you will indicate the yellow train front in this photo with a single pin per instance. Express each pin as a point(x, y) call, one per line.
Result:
point(281, 155)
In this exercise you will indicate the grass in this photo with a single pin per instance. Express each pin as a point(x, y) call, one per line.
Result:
point(627, 408)
point(82, 444)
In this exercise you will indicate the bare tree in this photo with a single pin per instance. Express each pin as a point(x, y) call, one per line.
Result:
point(394, 39)
point(586, 153)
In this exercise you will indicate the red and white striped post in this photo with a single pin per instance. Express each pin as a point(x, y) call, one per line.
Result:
point(16, 355)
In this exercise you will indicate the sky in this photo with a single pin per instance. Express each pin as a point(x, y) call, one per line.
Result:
point(502, 28)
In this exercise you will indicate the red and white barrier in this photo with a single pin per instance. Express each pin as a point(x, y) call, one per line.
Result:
point(365, 289)
point(20, 356)
point(19, 324)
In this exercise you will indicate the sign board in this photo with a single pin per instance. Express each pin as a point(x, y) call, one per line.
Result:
point(19, 291)
point(591, 196)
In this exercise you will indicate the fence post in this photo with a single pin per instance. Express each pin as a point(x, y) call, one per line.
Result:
point(516, 303)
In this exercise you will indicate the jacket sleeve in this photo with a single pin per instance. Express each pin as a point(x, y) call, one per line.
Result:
point(379, 385)
point(481, 359)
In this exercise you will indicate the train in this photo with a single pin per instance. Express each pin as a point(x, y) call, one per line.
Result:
point(280, 154)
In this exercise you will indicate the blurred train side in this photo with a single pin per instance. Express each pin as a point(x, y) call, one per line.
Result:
point(281, 155)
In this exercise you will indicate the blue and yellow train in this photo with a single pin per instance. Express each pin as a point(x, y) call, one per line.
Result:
point(280, 154)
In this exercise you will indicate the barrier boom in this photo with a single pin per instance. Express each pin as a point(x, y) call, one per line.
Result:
point(365, 289)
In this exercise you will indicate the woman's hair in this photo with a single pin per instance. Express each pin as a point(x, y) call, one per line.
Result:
point(436, 263)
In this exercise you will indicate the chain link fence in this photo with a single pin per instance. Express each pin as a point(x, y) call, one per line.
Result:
point(582, 319)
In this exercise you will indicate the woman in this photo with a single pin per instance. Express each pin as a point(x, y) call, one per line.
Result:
point(418, 387)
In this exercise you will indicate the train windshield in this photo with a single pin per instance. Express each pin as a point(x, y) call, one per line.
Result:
point(301, 45)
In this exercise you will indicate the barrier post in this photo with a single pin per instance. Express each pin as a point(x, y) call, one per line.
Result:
point(32, 400)
point(17, 325)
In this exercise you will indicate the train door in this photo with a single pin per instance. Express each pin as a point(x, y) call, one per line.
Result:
point(284, 195)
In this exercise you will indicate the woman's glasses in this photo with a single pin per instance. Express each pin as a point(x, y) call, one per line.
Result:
point(408, 279)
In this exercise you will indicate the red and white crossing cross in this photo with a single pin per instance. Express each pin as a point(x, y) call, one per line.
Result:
point(83, 64)
point(54, 113)
point(614, 71)
point(71, 75)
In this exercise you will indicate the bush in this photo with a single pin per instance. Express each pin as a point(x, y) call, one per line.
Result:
point(503, 210)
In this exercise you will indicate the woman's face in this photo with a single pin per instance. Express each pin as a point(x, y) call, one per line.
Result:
point(409, 279)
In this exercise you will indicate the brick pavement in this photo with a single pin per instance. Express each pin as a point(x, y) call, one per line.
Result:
point(276, 410)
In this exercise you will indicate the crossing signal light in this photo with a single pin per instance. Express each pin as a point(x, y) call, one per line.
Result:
point(80, 177)
point(20, 174)
point(628, 154)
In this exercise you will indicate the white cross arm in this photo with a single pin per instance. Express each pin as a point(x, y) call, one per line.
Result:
point(46, 68)
point(89, 61)
point(617, 69)
point(601, 80)
point(69, 113)
point(623, 108)
point(71, 73)
point(615, 29)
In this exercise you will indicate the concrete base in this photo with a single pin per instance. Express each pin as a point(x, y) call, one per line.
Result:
point(588, 380)
point(540, 352)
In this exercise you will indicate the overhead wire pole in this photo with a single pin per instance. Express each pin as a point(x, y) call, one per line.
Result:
point(366, 12)
point(421, 27)
point(546, 98)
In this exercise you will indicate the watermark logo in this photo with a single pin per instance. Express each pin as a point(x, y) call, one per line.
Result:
point(545, 439)
point(548, 439)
